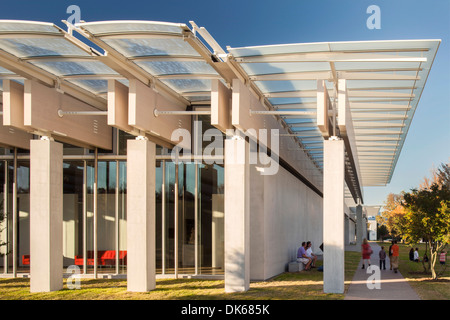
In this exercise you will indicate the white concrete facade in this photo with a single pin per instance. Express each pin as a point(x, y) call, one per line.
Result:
point(284, 213)
point(237, 215)
point(141, 215)
point(333, 216)
point(360, 226)
point(46, 214)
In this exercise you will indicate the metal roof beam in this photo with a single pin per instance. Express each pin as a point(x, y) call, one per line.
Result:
point(328, 57)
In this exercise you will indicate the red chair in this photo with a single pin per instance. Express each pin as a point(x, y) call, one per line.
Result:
point(26, 259)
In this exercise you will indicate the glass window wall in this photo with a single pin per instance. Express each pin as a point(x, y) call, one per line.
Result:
point(189, 214)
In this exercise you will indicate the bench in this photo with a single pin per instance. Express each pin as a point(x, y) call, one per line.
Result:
point(295, 266)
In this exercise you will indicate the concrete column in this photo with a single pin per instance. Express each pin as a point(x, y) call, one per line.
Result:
point(333, 216)
point(360, 232)
point(46, 216)
point(141, 215)
point(237, 213)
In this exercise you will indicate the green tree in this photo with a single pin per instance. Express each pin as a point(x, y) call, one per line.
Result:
point(391, 214)
point(427, 217)
point(382, 232)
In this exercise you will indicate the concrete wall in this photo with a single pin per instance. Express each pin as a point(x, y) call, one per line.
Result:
point(283, 213)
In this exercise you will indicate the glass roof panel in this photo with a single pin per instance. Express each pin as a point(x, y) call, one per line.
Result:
point(38, 47)
point(278, 101)
point(152, 47)
point(96, 86)
point(111, 27)
point(381, 45)
point(65, 68)
point(7, 26)
point(278, 49)
point(374, 58)
point(281, 86)
point(284, 67)
point(176, 67)
point(189, 85)
point(343, 66)
point(360, 84)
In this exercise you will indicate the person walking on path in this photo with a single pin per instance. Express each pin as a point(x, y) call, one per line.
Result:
point(392, 286)
point(366, 251)
point(390, 255)
point(382, 256)
point(395, 256)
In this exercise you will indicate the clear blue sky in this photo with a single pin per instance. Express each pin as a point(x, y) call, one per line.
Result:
point(249, 22)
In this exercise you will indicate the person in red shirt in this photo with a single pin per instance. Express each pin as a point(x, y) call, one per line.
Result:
point(395, 256)
point(442, 257)
point(366, 252)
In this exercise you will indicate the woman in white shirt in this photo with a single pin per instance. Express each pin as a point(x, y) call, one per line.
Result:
point(416, 255)
point(311, 255)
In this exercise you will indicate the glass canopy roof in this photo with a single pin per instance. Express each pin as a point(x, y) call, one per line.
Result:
point(385, 79)
point(161, 50)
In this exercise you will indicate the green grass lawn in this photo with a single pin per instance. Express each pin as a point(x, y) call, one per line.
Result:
point(302, 285)
point(426, 288)
point(287, 286)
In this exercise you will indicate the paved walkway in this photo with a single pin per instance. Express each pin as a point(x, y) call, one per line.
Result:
point(392, 286)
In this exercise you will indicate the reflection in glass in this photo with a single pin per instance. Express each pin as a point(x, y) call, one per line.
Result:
point(211, 219)
point(186, 218)
point(73, 172)
point(23, 216)
point(89, 216)
point(122, 214)
point(3, 219)
point(159, 216)
point(106, 227)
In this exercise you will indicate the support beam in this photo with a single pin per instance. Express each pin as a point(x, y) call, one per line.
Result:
point(143, 100)
point(46, 216)
point(359, 226)
point(333, 216)
point(237, 215)
point(221, 107)
point(141, 215)
point(41, 105)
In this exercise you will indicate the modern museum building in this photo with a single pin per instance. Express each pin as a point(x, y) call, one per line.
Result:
point(143, 149)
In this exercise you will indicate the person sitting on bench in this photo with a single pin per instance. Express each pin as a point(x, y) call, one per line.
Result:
point(310, 254)
point(302, 257)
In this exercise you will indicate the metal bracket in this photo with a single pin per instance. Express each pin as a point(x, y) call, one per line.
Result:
point(157, 113)
point(282, 113)
point(62, 113)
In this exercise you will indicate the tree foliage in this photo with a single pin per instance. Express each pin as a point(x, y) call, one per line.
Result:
point(427, 217)
point(422, 214)
point(391, 214)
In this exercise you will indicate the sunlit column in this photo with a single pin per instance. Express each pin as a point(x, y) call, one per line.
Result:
point(141, 215)
point(46, 216)
point(333, 216)
point(237, 212)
